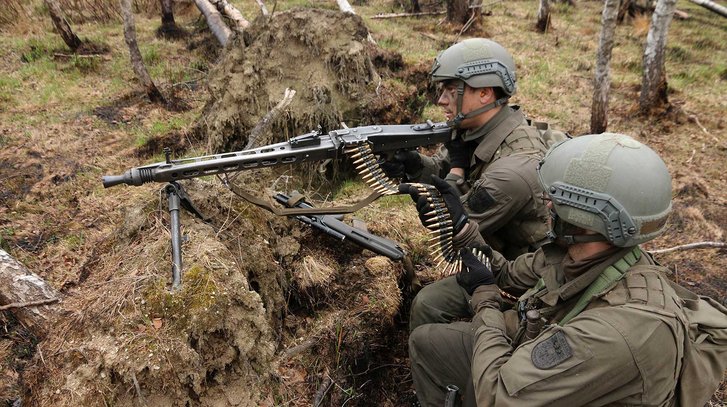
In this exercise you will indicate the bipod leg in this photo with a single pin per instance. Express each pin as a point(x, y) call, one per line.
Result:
point(172, 190)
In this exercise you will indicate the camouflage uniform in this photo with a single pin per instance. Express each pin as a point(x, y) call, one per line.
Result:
point(625, 348)
point(503, 200)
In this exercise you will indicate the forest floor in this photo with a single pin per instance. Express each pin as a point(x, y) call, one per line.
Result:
point(271, 312)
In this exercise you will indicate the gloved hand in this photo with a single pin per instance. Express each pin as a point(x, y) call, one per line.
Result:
point(475, 271)
point(460, 155)
point(451, 201)
point(404, 162)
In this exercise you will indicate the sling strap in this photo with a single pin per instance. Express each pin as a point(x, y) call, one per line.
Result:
point(609, 276)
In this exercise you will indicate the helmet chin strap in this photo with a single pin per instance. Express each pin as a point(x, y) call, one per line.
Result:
point(460, 117)
point(563, 233)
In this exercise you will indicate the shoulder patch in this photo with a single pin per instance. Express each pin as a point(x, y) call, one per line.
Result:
point(551, 352)
point(479, 200)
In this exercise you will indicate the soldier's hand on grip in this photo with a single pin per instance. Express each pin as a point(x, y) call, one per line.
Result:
point(404, 164)
point(475, 267)
point(459, 153)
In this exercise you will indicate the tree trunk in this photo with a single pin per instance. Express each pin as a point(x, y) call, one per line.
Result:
point(653, 86)
point(61, 24)
point(167, 13)
point(214, 21)
point(543, 16)
point(712, 6)
point(458, 11)
point(19, 287)
point(136, 61)
point(345, 6)
point(602, 82)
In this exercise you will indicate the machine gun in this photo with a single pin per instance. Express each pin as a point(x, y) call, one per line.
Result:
point(361, 144)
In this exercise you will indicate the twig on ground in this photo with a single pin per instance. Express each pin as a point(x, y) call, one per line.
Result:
point(689, 246)
point(307, 344)
point(399, 15)
point(29, 303)
point(323, 390)
point(138, 389)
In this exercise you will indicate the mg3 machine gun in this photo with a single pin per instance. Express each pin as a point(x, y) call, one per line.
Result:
point(360, 144)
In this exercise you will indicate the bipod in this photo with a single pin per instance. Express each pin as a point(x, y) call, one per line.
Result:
point(176, 197)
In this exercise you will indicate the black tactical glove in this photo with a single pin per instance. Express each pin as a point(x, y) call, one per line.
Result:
point(475, 268)
point(460, 155)
point(451, 201)
point(402, 163)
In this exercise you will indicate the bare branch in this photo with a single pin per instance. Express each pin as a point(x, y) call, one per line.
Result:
point(29, 303)
point(264, 124)
point(697, 245)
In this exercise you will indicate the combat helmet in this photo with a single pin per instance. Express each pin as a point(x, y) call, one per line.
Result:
point(479, 63)
point(608, 183)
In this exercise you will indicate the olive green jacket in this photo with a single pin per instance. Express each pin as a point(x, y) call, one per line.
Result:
point(504, 192)
point(625, 348)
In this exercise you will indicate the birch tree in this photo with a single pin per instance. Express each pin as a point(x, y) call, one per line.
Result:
point(653, 85)
point(137, 62)
point(214, 21)
point(602, 82)
point(60, 22)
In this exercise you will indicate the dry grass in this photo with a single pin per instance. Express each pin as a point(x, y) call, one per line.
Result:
point(64, 124)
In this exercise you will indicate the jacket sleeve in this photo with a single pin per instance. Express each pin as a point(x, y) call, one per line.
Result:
point(501, 192)
point(599, 357)
point(438, 165)
point(519, 275)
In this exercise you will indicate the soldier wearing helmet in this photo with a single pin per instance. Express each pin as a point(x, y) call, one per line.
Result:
point(491, 161)
point(596, 323)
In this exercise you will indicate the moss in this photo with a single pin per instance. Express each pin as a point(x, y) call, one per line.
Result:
point(199, 296)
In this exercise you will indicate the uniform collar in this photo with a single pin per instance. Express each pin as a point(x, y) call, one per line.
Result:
point(554, 277)
point(490, 135)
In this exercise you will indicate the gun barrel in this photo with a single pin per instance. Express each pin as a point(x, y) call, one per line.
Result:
point(112, 180)
point(134, 176)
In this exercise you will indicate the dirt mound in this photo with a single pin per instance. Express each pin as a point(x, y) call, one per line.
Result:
point(323, 55)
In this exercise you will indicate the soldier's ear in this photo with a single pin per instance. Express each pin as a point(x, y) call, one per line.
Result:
point(487, 95)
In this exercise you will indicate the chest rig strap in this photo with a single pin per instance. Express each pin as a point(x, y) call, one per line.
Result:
point(604, 280)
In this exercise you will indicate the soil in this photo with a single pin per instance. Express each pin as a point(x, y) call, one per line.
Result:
point(270, 312)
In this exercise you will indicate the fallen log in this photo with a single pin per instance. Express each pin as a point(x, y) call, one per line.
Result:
point(26, 295)
point(224, 7)
point(214, 20)
point(712, 6)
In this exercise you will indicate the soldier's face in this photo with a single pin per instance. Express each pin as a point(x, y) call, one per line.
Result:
point(472, 99)
point(448, 99)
